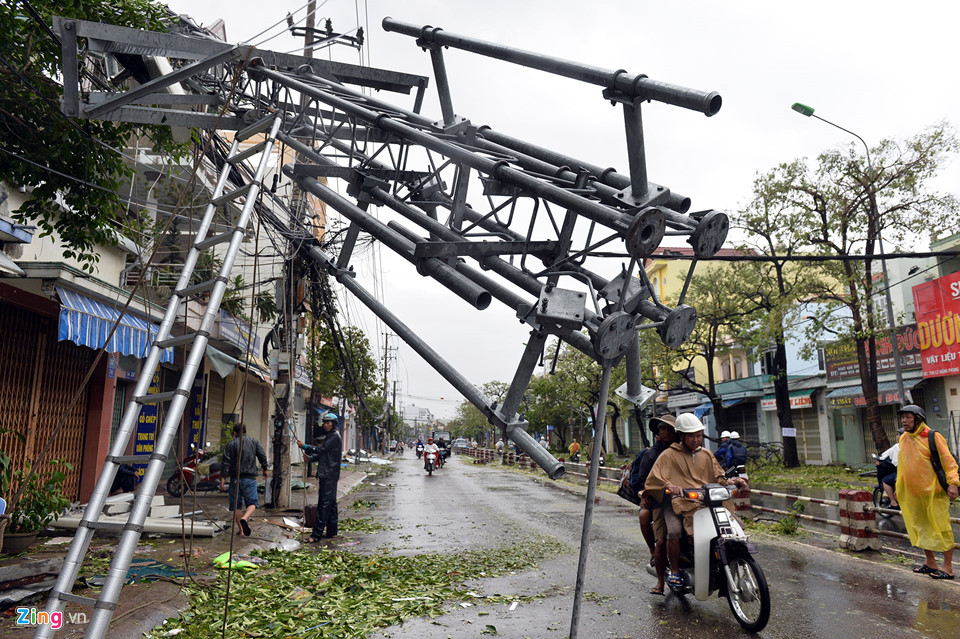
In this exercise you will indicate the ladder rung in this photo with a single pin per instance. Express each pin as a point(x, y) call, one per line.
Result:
point(256, 127)
point(177, 341)
point(202, 287)
point(135, 459)
point(243, 155)
point(157, 398)
point(86, 601)
point(232, 195)
point(107, 526)
point(214, 239)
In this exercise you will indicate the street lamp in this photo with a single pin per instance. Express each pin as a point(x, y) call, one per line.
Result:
point(807, 111)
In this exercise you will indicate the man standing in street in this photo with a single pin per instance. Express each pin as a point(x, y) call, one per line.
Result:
point(240, 457)
point(924, 502)
point(327, 455)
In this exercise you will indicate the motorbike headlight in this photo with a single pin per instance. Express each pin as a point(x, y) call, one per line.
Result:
point(720, 493)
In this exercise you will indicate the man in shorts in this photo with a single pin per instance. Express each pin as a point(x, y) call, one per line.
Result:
point(240, 457)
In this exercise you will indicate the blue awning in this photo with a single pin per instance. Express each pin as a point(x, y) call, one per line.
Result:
point(702, 409)
point(87, 322)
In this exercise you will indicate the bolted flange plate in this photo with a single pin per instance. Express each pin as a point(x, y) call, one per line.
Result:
point(710, 234)
point(677, 326)
point(611, 339)
point(646, 232)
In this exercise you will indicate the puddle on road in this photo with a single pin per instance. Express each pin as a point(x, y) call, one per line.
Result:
point(938, 618)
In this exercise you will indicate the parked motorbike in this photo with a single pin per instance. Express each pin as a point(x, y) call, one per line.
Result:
point(419, 451)
point(188, 478)
point(429, 462)
point(720, 559)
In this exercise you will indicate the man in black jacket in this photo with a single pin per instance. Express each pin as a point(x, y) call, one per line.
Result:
point(240, 457)
point(651, 516)
point(327, 455)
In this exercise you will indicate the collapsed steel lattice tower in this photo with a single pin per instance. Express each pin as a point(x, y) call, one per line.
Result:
point(512, 244)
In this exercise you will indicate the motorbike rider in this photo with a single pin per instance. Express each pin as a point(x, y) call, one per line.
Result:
point(574, 450)
point(887, 471)
point(684, 464)
point(736, 452)
point(721, 452)
point(652, 525)
point(500, 446)
point(430, 448)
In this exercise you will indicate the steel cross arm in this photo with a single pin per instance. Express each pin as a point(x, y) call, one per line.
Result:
point(521, 306)
point(480, 250)
point(121, 99)
point(632, 86)
point(537, 158)
point(595, 211)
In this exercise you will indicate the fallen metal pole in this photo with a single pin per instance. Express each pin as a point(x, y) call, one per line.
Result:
point(598, 427)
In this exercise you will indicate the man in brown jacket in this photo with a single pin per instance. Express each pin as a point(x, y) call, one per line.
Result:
point(686, 464)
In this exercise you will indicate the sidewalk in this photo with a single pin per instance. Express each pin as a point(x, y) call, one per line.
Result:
point(144, 605)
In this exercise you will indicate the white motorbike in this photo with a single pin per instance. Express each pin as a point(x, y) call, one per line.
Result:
point(719, 559)
point(429, 461)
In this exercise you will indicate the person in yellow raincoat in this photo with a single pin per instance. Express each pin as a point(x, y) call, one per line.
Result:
point(923, 502)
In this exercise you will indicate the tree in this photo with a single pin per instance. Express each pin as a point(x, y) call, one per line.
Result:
point(470, 422)
point(778, 288)
point(357, 379)
point(723, 315)
point(70, 166)
point(839, 207)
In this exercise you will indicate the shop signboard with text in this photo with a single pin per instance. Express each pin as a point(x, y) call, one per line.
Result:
point(938, 325)
point(841, 357)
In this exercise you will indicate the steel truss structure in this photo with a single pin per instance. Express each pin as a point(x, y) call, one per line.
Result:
point(529, 239)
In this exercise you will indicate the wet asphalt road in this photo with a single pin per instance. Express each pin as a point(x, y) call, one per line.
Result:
point(816, 592)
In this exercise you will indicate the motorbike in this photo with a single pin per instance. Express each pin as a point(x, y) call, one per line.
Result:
point(720, 559)
point(884, 467)
point(430, 462)
point(419, 451)
point(187, 475)
point(575, 457)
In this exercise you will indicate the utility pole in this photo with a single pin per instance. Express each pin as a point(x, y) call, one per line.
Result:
point(283, 420)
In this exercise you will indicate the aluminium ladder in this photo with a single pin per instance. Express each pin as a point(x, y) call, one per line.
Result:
point(104, 606)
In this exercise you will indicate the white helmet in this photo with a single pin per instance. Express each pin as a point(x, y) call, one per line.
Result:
point(725, 433)
point(688, 423)
point(734, 434)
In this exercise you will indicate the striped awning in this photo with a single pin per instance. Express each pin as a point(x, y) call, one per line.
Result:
point(87, 322)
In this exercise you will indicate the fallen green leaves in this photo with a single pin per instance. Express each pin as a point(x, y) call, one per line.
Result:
point(336, 593)
point(361, 525)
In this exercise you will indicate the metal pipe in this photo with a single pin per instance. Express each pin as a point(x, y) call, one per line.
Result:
point(607, 176)
point(452, 375)
point(443, 86)
point(636, 154)
point(633, 86)
point(634, 381)
point(591, 492)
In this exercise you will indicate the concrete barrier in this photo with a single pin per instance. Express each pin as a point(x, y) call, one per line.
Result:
point(856, 522)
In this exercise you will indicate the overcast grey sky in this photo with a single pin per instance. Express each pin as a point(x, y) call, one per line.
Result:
point(881, 69)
